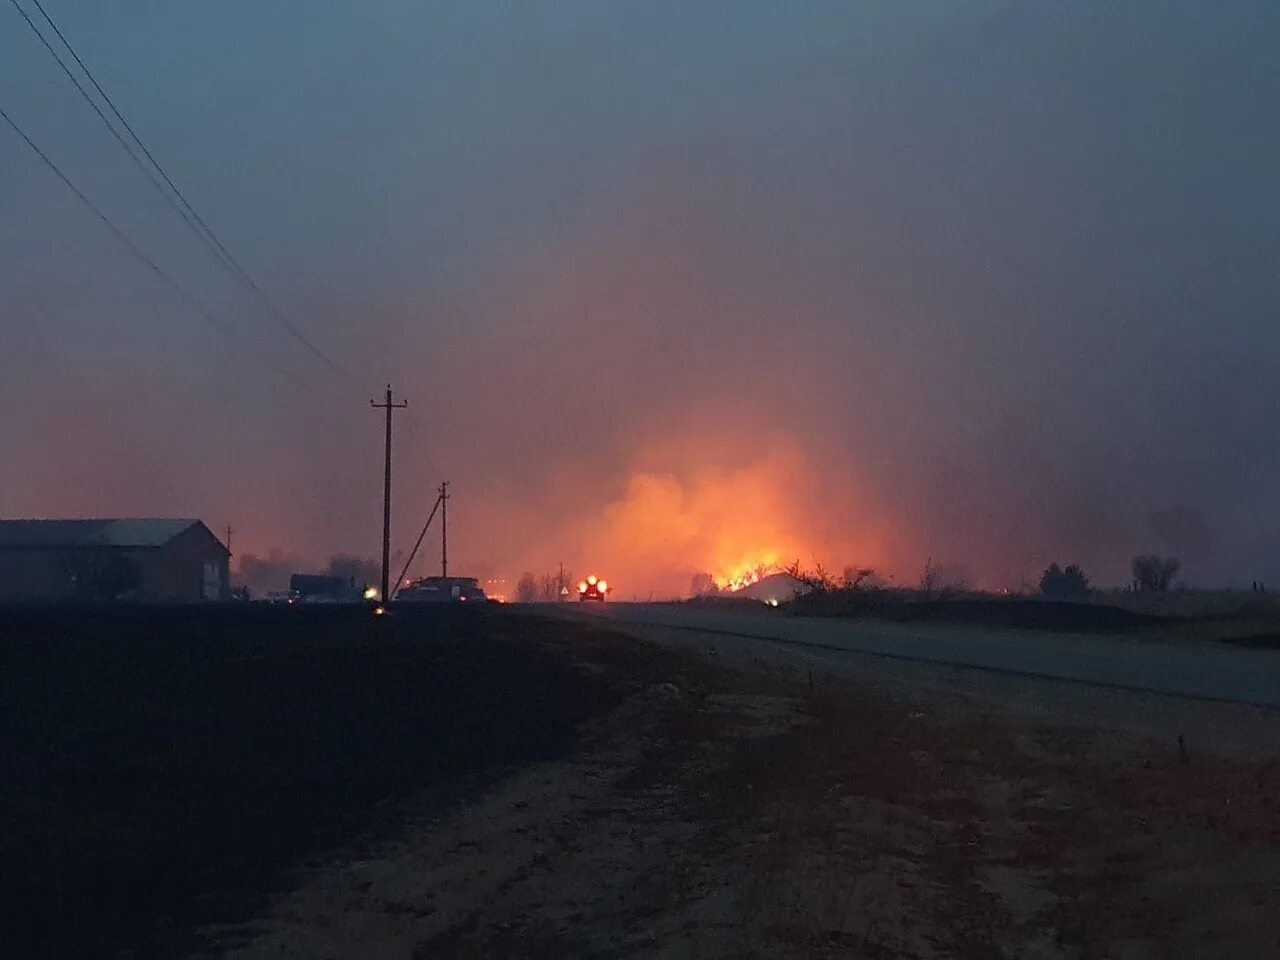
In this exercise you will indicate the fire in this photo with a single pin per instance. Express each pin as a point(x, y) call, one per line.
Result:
point(705, 513)
point(745, 574)
point(734, 525)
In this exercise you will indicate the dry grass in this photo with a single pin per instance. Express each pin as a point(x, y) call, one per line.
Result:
point(729, 815)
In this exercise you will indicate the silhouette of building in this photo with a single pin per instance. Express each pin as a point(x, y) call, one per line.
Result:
point(140, 560)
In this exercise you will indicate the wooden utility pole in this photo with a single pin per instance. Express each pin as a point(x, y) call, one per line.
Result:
point(444, 528)
point(388, 405)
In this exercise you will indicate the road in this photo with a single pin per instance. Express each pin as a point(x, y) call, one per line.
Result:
point(1184, 670)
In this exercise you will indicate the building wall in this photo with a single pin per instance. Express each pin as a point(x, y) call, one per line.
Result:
point(175, 572)
point(35, 575)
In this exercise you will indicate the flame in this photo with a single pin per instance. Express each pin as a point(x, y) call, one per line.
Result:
point(707, 509)
point(733, 522)
point(745, 574)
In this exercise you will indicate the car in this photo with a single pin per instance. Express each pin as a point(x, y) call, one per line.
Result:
point(312, 588)
point(593, 588)
point(442, 590)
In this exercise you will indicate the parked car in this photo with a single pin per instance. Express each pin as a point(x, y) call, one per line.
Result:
point(321, 588)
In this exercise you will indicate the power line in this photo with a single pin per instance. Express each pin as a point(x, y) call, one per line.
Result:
point(140, 254)
point(182, 206)
point(102, 116)
point(418, 442)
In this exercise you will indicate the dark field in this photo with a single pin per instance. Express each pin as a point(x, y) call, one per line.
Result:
point(1016, 613)
point(162, 769)
point(1235, 618)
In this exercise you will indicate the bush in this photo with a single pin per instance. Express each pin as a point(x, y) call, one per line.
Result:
point(1059, 584)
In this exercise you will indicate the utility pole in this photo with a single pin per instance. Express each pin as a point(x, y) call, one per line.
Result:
point(388, 405)
point(228, 538)
point(444, 528)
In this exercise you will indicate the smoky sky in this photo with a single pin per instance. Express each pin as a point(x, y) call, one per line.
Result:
point(668, 286)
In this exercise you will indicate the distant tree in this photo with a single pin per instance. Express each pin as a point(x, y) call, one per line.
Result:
point(270, 573)
point(1154, 574)
point(855, 578)
point(548, 588)
point(930, 576)
point(1059, 584)
point(527, 589)
point(936, 578)
point(819, 579)
point(703, 585)
point(359, 570)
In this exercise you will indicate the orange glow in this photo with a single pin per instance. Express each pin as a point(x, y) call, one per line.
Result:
point(582, 586)
point(731, 512)
point(711, 507)
point(592, 579)
point(745, 574)
point(603, 586)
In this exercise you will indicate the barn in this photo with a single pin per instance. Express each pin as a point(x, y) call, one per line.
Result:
point(157, 561)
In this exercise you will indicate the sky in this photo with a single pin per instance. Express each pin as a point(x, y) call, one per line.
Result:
point(670, 287)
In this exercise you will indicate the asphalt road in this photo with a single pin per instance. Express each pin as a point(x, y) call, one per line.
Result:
point(1196, 671)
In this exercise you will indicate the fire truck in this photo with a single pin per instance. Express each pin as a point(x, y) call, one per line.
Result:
point(592, 588)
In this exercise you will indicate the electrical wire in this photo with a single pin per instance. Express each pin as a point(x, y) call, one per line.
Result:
point(416, 439)
point(155, 268)
point(181, 205)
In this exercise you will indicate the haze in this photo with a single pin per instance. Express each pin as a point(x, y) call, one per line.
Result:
point(670, 287)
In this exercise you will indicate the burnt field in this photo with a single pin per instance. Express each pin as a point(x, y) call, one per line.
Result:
point(166, 768)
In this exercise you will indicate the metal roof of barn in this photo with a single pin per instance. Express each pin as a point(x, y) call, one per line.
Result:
point(29, 534)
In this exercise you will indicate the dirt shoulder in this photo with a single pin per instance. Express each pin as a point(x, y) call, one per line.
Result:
point(732, 812)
